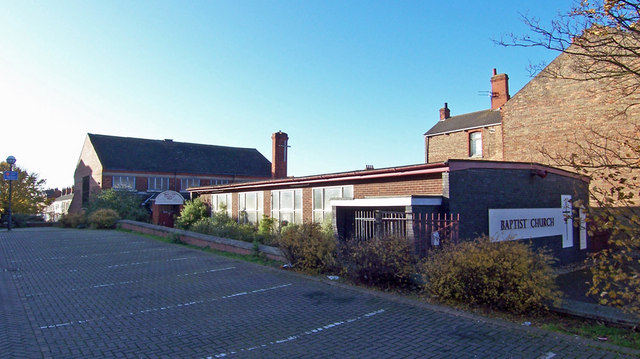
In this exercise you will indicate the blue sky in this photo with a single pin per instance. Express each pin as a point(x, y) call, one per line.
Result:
point(353, 83)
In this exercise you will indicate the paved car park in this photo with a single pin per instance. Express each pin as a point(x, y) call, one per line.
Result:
point(83, 293)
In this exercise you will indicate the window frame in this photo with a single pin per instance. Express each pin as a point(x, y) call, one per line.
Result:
point(155, 181)
point(215, 203)
point(324, 213)
point(183, 188)
point(242, 207)
point(120, 186)
point(470, 144)
point(296, 211)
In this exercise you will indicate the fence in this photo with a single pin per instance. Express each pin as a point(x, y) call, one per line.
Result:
point(426, 230)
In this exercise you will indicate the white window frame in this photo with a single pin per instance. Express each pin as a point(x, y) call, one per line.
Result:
point(277, 209)
point(246, 215)
point(322, 212)
point(474, 149)
point(217, 203)
point(188, 182)
point(155, 186)
point(129, 182)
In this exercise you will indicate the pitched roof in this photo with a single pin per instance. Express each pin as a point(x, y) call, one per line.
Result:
point(136, 154)
point(466, 121)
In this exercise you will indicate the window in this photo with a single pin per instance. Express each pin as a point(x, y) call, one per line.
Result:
point(124, 182)
point(250, 207)
point(286, 206)
point(220, 202)
point(475, 144)
point(217, 181)
point(322, 200)
point(158, 184)
point(188, 182)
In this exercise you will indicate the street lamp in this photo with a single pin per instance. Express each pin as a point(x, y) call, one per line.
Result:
point(10, 160)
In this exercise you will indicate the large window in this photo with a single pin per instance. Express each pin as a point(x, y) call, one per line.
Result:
point(286, 206)
point(124, 182)
point(188, 182)
point(250, 207)
point(475, 144)
point(322, 200)
point(221, 202)
point(158, 184)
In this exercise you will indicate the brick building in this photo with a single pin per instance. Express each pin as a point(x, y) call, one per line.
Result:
point(562, 111)
point(406, 199)
point(150, 167)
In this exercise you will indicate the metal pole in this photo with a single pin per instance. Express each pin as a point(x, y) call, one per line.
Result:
point(9, 222)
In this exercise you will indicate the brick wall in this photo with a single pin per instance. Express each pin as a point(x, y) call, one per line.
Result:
point(88, 165)
point(429, 185)
point(473, 192)
point(456, 145)
point(552, 115)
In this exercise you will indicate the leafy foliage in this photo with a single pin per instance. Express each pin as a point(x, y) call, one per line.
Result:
point(73, 220)
point(602, 39)
point(28, 192)
point(221, 225)
point(309, 248)
point(103, 218)
point(502, 275)
point(127, 204)
point(386, 262)
point(192, 212)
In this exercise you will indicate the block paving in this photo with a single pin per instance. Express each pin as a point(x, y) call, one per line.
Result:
point(88, 293)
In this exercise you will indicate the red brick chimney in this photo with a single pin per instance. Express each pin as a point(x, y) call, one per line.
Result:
point(444, 112)
point(279, 152)
point(499, 90)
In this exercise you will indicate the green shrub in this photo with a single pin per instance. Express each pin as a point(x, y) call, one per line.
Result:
point(127, 204)
point(192, 212)
point(19, 220)
point(73, 220)
point(508, 275)
point(386, 262)
point(103, 218)
point(309, 248)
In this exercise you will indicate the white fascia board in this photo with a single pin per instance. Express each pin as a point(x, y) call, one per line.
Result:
point(388, 202)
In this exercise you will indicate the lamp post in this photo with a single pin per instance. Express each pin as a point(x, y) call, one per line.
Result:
point(10, 160)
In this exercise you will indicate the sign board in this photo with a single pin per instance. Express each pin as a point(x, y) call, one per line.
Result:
point(525, 223)
point(169, 198)
point(10, 175)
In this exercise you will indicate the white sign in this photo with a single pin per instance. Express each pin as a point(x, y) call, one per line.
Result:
point(169, 198)
point(524, 223)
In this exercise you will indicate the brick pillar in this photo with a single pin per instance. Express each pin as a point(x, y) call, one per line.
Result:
point(444, 112)
point(279, 152)
point(499, 90)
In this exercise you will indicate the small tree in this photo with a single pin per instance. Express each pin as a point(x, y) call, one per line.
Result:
point(193, 211)
point(127, 204)
point(28, 194)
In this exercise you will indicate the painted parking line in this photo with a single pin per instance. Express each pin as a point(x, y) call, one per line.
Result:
point(166, 307)
point(299, 335)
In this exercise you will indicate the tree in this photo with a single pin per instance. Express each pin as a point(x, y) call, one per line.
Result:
point(127, 204)
point(599, 41)
point(28, 195)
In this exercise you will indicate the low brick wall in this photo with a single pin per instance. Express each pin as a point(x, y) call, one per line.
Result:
point(203, 240)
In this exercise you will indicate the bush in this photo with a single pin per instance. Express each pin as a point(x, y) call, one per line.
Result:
point(386, 262)
point(127, 204)
point(192, 212)
point(103, 219)
point(19, 220)
point(73, 220)
point(309, 248)
point(508, 276)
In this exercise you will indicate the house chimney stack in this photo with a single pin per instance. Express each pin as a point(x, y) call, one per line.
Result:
point(444, 112)
point(279, 150)
point(499, 90)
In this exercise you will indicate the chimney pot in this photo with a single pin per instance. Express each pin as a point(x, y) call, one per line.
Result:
point(445, 113)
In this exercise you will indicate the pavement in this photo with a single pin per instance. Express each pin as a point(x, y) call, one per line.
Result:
point(86, 293)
